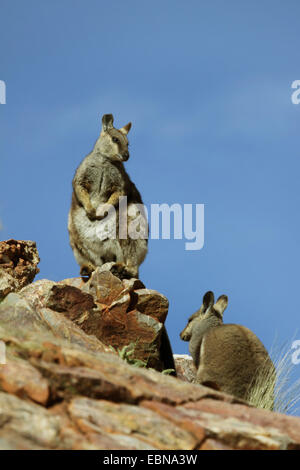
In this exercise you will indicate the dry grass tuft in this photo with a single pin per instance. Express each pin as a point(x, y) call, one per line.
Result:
point(272, 389)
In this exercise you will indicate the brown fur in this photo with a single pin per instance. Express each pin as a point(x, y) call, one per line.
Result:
point(101, 179)
point(228, 356)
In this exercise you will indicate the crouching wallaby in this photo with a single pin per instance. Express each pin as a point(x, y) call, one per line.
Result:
point(228, 357)
point(95, 219)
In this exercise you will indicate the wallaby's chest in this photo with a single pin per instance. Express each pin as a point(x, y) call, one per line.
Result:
point(105, 178)
point(111, 176)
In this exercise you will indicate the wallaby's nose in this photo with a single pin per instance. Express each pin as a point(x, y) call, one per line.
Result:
point(182, 335)
point(125, 156)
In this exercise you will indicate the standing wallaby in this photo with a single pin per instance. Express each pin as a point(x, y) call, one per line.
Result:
point(99, 181)
point(227, 357)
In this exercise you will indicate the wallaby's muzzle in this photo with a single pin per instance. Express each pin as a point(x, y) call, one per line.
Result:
point(184, 335)
point(121, 157)
point(125, 156)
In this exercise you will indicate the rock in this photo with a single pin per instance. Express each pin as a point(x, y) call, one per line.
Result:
point(185, 367)
point(122, 419)
point(104, 287)
point(152, 303)
point(62, 387)
point(74, 282)
point(133, 284)
point(285, 425)
point(32, 424)
point(234, 433)
point(18, 265)
point(212, 444)
point(18, 377)
point(119, 313)
point(64, 298)
point(104, 308)
point(41, 327)
point(37, 293)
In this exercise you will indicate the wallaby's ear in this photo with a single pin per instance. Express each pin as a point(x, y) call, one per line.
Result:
point(126, 128)
point(221, 304)
point(107, 122)
point(208, 300)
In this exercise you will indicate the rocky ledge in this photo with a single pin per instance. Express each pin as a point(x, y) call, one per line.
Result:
point(66, 383)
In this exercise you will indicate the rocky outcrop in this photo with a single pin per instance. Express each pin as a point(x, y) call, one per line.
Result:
point(63, 387)
point(118, 313)
point(185, 367)
point(18, 265)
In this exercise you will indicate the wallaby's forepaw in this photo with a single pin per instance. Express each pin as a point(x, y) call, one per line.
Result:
point(98, 214)
point(86, 271)
point(91, 214)
point(103, 210)
point(122, 271)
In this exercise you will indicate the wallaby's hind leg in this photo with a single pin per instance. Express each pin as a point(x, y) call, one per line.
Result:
point(123, 271)
point(134, 254)
point(86, 267)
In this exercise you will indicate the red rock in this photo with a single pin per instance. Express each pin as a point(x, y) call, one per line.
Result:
point(64, 388)
point(212, 444)
point(238, 433)
point(114, 418)
point(178, 418)
point(105, 287)
point(288, 425)
point(133, 284)
point(152, 303)
point(64, 298)
point(20, 378)
point(185, 367)
point(113, 318)
point(18, 265)
point(73, 282)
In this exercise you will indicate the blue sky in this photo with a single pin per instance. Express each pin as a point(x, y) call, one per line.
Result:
point(207, 86)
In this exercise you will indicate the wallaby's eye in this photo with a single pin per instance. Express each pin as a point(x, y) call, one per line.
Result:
point(115, 140)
